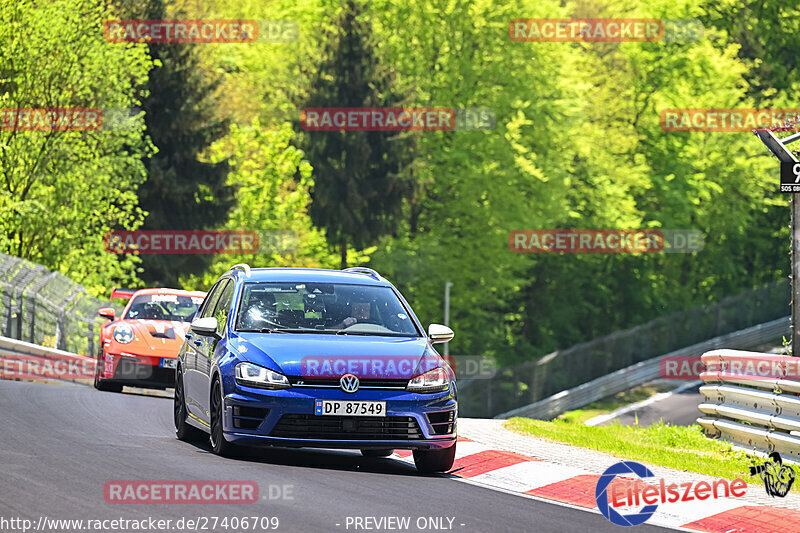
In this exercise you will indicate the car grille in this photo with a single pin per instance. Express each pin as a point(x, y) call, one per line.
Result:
point(364, 383)
point(133, 370)
point(347, 427)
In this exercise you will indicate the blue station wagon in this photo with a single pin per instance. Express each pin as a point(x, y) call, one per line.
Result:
point(315, 358)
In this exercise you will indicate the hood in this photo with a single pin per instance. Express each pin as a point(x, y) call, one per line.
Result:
point(160, 338)
point(331, 356)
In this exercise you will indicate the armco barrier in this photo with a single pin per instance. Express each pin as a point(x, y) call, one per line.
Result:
point(21, 360)
point(537, 378)
point(48, 308)
point(757, 408)
point(641, 373)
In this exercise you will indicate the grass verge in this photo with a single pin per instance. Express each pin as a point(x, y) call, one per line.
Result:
point(679, 447)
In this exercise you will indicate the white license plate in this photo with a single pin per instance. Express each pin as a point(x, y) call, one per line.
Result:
point(169, 363)
point(349, 408)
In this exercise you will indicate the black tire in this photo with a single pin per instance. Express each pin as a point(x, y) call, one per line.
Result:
point(183, 430)
point(218, 443)
point(433, 461)
point(107, 387)
point(377, 453)
point(97, 365)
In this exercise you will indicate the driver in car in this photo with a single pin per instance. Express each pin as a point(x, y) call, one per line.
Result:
point(358, 311)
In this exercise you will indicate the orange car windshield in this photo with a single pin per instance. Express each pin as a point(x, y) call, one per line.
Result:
point(163, 307)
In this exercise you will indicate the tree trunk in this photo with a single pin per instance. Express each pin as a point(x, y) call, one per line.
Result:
point(343, 248)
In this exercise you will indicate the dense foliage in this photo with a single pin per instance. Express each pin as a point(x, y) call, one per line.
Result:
point(577, 144)
point(183, 192)
point(62, 191)
point(362, 177)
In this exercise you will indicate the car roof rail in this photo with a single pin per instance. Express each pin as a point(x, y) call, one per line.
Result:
point(363, 270)
point(243, 266)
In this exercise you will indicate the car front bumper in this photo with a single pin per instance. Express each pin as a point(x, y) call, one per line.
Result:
point(138, 371)
point(288, 413)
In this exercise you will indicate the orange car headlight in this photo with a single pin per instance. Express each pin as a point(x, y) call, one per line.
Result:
point(123, 334)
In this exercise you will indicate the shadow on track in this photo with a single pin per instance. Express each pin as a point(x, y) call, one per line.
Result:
point(327, 459)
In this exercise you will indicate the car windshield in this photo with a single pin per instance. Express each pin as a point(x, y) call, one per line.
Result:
point(323, 308)
point(164, 307)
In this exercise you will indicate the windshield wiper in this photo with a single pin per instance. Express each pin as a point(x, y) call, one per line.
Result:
point(304, 330)
point(261, 330)
point(373, 334)
point(324, 332)
point(287, 330)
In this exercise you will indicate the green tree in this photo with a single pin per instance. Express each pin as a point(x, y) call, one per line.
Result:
point(711, 182)
point(273, 181)
point(62, 191)
point(183, 191)
point(361, 178)
point(577, 145)
point(481, 184)
point(765, 32)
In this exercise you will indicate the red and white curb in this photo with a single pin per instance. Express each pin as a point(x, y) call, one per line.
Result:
point(516, 473)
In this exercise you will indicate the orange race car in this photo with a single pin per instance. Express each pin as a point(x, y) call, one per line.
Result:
point(140, 348)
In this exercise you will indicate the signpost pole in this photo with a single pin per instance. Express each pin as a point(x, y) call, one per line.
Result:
point(795, 277)
point(447, 286)
point(779, 149)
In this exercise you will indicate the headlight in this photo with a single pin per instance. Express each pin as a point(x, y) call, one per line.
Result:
point(258, 376)
point(434, 380)
point(123, 334)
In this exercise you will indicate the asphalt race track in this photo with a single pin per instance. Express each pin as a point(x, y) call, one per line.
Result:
point(680, 409)
point(60, 444)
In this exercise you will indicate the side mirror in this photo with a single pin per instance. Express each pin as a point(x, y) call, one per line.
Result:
point(205, 326)
point(439, 333)
point(107, 312)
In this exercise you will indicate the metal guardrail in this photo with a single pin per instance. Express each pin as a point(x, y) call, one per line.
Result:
point(520, 385)
point(752, 401)
point(646, 371)
point(20, 360)
point(47, 308)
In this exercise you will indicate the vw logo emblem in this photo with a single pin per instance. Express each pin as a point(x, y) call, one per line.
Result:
point(349, 383)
